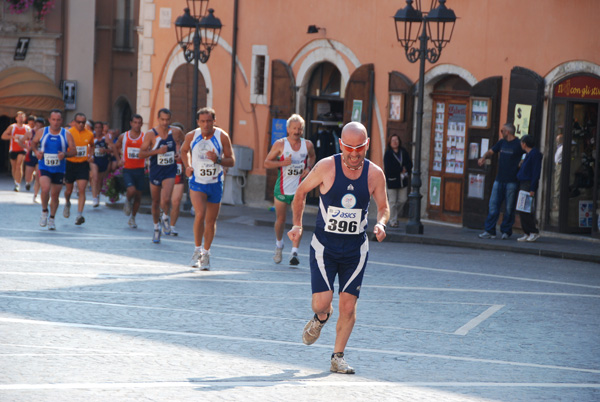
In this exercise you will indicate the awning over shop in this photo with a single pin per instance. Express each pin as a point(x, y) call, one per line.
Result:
point(22, 88)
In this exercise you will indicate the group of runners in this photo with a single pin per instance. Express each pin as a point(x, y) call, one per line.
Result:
point(346, 182)
point(73, 156)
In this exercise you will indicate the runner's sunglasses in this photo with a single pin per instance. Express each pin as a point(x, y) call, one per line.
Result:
point(349, 148)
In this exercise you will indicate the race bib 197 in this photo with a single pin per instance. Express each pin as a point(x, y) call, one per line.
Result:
point(168, 158)
point(343, 220)
point(51, 160)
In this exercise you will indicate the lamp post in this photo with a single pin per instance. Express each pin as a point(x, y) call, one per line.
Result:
point(199, 20)
point(435, 25)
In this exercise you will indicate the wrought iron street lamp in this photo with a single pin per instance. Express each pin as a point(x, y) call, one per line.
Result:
point(435, 25)
point(199, 23)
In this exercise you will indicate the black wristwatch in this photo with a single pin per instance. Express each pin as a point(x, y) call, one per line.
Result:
point(219, 160)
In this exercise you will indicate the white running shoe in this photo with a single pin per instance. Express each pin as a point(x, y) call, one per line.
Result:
point(51, 224)
point(67, 210)
point(205, 262)
point(195, 258)
point(523, 238)
point(166, 225)
point(132, 223)
point(127, 207)
point(339, 365)
point(312, 329)
point(278, 255)
point(533, 237)
point(44, 219)
point(96, 202)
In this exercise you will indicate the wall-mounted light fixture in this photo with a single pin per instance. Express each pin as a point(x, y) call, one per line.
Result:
point(313, 29)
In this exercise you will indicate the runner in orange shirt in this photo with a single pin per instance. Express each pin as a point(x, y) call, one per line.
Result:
point(128, 156)
point(16, 133)
point(78, 167)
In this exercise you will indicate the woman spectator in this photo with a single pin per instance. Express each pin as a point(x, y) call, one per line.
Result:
point(398, 167)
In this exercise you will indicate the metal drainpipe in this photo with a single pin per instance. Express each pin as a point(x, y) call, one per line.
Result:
point(233, 69)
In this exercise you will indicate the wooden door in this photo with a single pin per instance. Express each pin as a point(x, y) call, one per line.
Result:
point(360, 88)
point(283, 105)
point(181, 96)
point(484, 126)
point(447, 159)
point(527, 88)
point(400, 85)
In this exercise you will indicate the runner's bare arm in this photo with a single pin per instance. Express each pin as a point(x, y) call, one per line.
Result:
point(228, 159)
point(185, 154)
point(272, 160)
point(312, 156)
point(117, 147)
point(35, 142)
point(148, 143)
point(72, 150)
point(378, 191)
point(7, 133)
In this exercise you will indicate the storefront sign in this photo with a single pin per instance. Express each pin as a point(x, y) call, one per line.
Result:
point(581, 87)
point(435, 184)
point(21, 50)
point(522, 119)
point(69, 90)
point(278, 130)
point(356, 110)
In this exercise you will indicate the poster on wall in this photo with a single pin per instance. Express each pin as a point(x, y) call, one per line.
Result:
point(585, 214)
point(522, 118)
point(396, 107)
point(476, 185)
point(278, 130)
point(473, 151)
point(356, 110)
point(435, 185)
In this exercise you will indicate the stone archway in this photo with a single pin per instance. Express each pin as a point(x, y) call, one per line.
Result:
point(181, 94)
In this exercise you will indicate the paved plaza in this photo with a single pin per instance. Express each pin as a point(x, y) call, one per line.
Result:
point(100, 313)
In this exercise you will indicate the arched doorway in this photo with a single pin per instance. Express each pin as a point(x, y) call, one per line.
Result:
point(324, 112)
point(121, 115)
point(181, 95)
point(447, 149)
point(573, 199)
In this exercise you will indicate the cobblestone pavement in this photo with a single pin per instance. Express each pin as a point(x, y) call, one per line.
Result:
point(99, 313)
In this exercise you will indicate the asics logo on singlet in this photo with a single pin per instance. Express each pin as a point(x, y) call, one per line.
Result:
point(340, 214)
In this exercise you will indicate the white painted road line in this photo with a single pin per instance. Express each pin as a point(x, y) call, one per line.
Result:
point(288, 343)
point(294, 383)
point(464, 330)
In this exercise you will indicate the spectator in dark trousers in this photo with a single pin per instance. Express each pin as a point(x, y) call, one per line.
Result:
point(506, 185)
point(398, 167)
point(529, 178)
